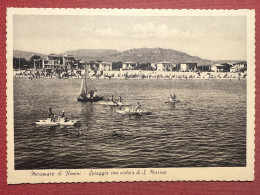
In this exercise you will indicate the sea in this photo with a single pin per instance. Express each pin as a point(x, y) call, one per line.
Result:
point(206, 129)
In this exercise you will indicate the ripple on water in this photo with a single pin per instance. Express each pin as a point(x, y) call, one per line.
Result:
point(208, 128)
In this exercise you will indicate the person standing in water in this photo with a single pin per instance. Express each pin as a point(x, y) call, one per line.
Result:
point(51, 115)
point(63, 116)
point(138, 107)
point(112, 98)
point(173, 98)
point(120, 99)
point(91, 93)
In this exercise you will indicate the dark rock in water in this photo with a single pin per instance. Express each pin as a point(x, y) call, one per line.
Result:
point(77, 124)
point(115, 134)
point(52, 127)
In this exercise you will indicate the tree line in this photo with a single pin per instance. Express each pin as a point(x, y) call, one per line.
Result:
point(22, 64)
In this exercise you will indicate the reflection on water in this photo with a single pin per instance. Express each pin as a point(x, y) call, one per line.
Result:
point(208, 128)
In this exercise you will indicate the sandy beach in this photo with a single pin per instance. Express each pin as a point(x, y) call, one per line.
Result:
point(135, 74)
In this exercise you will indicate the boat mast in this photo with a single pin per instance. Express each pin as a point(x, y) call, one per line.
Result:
point(85, 80)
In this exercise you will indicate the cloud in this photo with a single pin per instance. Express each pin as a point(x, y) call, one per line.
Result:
point(109, 32)
point(144, 28)
point(148, 30)
point(162, 31)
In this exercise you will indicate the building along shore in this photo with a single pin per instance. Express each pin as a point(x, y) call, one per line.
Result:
point(67, 66)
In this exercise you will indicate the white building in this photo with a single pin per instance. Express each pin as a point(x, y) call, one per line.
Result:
point(52, 62)
point(105, 66)
point(188, 66)
point(239, 67)
point(164, 66)
point(217, 68)
point(128, 65)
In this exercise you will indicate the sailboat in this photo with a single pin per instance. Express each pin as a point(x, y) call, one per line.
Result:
point(87, 90)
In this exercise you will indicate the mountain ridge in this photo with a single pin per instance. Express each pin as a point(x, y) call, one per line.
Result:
point(25, 54)
point(138, 55)
point(90, 54)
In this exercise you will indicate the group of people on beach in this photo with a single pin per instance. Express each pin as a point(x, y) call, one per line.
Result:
point(127, 75)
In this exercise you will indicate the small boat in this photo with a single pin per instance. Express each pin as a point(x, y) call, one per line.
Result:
point(47, 122)
point(132, 111)
point(61, 121)
point(89, 99)
point(113, 103)
point(87, 90)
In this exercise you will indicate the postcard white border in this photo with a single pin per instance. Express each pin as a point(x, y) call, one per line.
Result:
point(173, 174)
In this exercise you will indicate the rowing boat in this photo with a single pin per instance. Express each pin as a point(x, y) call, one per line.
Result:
point(131, 111)
point(113, 103)
point(62, 122)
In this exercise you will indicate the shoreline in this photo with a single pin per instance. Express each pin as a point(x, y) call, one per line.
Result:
point(137, 74)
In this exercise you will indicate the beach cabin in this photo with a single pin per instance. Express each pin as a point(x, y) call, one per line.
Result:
point(188, 67)
point(129, 65)
point(164, 66)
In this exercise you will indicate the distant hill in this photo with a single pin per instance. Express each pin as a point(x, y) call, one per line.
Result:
point(142, 55)
point(227, 61)
point(25, 54)
point(154, 55)
point(91, 54)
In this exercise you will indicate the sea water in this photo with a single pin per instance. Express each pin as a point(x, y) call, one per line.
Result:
point(206, 129)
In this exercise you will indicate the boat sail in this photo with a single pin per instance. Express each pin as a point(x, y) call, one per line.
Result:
point(83, 88)
point(87, 90)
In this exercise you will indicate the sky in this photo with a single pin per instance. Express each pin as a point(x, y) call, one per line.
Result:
point(208, 37)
